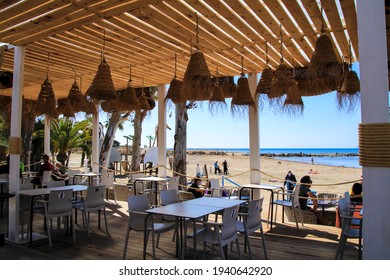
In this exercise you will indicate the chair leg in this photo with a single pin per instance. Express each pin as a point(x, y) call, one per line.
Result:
point(86, 217)
point(48, 228)
point(153, 246)
point(249, 245)
point(263, 240)
point(295, 217)
point(73, 228)
point(105, 220)
point(238, 249)
point(126, 243)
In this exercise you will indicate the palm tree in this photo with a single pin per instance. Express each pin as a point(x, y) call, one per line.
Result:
point(66, 136)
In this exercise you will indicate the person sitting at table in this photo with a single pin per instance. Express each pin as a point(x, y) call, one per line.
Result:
point(194, 188)
point(58, 174)
point(45, 166)
point(356, 193)
point(304, 194)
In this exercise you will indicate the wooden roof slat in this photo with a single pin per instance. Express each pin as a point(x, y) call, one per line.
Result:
point(350, 17)
point(289, 26)
point(333, 16)
point(275, 28)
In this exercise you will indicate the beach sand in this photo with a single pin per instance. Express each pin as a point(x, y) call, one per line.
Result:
point(330, 179)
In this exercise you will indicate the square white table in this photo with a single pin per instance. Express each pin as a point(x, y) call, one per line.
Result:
point(183, 211)
point(152, 179)
point(89, 175)
point(269, 188)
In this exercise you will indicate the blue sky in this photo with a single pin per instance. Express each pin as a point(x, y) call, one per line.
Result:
point(322, 125)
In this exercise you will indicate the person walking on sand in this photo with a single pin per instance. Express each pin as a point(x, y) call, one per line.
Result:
point(217, 170)
point(290, 181)
point(225, 167)
point(198, 174)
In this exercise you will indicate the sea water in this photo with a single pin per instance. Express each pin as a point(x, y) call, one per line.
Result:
point(325, 156)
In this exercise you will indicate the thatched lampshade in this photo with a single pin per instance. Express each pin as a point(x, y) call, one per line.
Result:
point(293, 104)
point(102, 87)
point(265, 82)
point(175, 92)
point(46, 104)
point(109, 106)
point(197, 83)
point(242, 97)
point(143, 101)
point(65, 108)
point(349, 94)
point(217, 99)
point(128, 101)
point(324, 61)
point(282, 80)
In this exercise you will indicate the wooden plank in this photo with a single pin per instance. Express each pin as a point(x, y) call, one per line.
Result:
point(287, 23)
point(333, 16)
point(350, 17)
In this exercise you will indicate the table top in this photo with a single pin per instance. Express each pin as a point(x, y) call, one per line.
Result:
point(214, 202)
point(184, 210)
point(261, 187)
point(43, 191)
point(4, 181)
point(88, 174)
point(152, 178)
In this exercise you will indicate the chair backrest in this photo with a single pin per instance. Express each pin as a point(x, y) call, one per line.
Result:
point(183, 196)
point(95, 198)
point(138, 203)
point(26, 180)
point(55, 184)
point(26, 186)
point(347, 199)
point(254, 214)
point(60, 202)
point(295, 196)
point(229, 226)
point(214, 184)
point(173, 183)
point(46, 177)
point(168, 197)
point(107, 178)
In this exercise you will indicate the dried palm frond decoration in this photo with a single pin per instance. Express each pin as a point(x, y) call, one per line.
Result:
point(217, 98)
point(102, 87)
point(242, 97)
point(197, 83)
point(349, 94)
point(175, 94)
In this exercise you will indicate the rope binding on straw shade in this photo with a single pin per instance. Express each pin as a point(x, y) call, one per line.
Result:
point(374, 144)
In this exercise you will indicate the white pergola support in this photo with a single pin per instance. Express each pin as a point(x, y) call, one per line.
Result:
point(16, 127)
point(46, 136)
point(95, 142)
point(254, 142)
point(161, 131)
point(374, 109)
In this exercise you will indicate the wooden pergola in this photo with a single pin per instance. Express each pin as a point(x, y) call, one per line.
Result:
point(60, 38)
point(64, 37)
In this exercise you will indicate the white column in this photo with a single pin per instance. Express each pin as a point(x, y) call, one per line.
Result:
point(374, 106)
point(161, 131)
point(46, 137)
point(254, 141)
point(16, 126)
point(95, 143)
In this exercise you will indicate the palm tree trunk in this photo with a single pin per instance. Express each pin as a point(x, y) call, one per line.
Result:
point(180, 145)
point(135, 159)
point(108, 140)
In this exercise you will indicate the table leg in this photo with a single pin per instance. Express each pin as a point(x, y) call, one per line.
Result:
point(31, 220)
point(272, 207)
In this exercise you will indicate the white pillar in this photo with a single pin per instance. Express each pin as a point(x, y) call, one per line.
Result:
point(254, 142)
point(374, 106)
point(95, 142)
point(46, 137)
point(161, 131)
point(16, 126)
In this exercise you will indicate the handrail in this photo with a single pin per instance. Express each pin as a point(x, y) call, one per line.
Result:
point(229, 180)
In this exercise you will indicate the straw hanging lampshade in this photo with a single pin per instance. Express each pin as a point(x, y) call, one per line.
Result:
point(293, 104)
point(109, 106)
point(349, 94)
point(242, 97)
point(64, 108)
point(128, 100)
point(102, 87)
point(175, 94)
point(282, 80)
point(217, 98)
point(227, 85)
point(265, 82)
point(46, 104)
point(143, 101)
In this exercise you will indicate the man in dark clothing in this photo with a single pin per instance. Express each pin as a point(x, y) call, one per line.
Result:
point(194, 188)
point(290, 181)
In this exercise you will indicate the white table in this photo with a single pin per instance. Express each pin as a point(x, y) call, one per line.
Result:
point(89, 175)
point(45, 191)
point(152, 179)
point(214, 202)
point(269, 188)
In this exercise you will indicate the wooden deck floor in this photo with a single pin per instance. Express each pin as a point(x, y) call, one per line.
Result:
point(283, 242)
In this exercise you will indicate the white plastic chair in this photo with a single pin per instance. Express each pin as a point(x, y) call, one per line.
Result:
point(252, 222)
point(347, 231)
point(107, 180)
point(173, 183)
point(221, 234)
point(137, 217)
point(59, 204)
point(46, 178)
point(291, 201)
point(94, 201)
